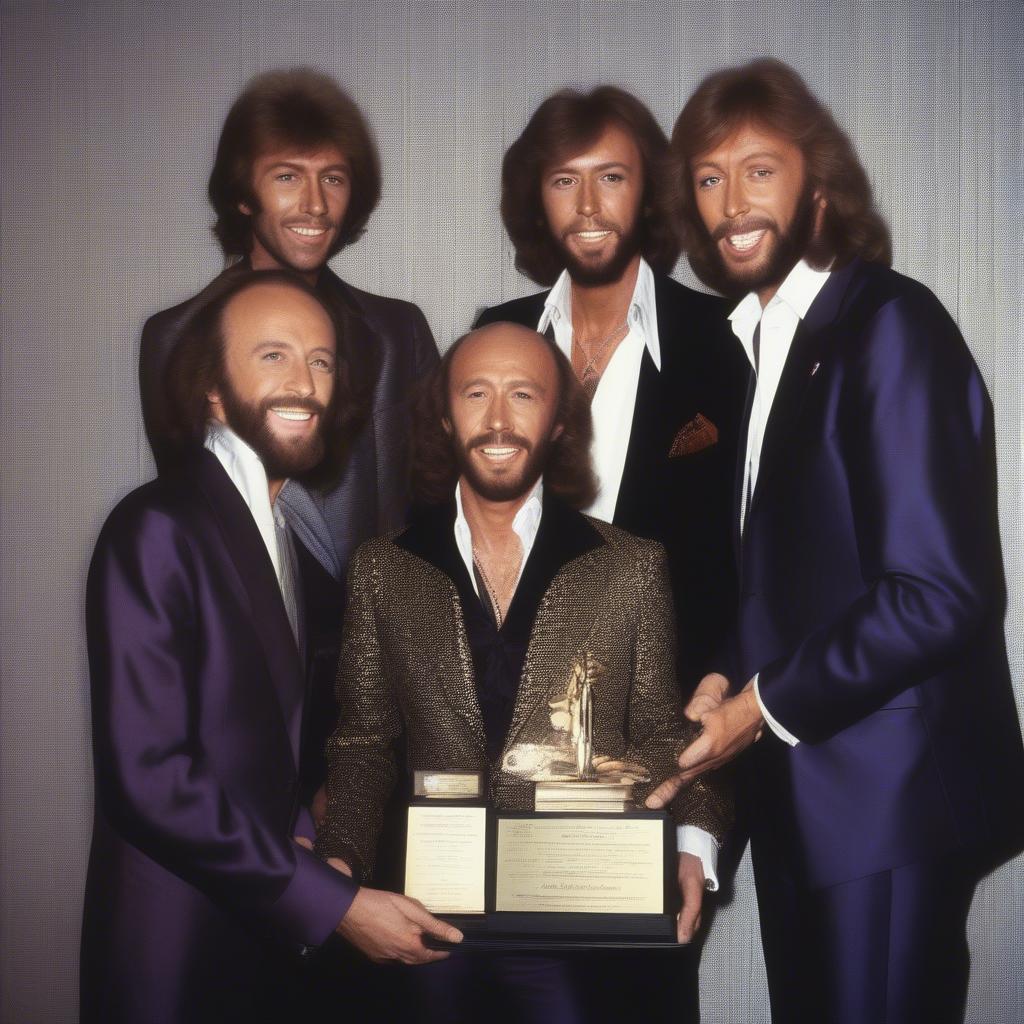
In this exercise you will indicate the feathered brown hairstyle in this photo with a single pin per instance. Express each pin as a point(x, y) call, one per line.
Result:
point(297, 109)
point(569, 122)
point(567, 473)
point(772, 96)
point(196, 367)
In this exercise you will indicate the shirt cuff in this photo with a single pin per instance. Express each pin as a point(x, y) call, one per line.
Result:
point(690, 839)
point(783, 733)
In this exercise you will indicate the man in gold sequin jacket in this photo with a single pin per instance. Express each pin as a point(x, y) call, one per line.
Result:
point(459, 628)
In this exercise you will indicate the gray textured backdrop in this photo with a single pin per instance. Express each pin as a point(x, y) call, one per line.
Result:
point(110, 117)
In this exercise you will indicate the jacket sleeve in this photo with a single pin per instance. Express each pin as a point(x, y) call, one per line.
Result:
point(916, 439)
point(425, 348)
point(361, 750)
point(154, 781)
point(658, 731)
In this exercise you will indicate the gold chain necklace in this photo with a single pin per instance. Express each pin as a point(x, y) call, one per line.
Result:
point(491, 589)
point(589, 377)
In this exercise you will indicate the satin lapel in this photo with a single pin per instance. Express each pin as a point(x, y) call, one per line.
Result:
point(248, 553)
point(741, 467)
point(811, 336)
point(567, 611)
point(431, 537)
point(644, 441)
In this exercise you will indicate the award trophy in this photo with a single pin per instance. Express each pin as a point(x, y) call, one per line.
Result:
point(585, 868)
point(567, 774)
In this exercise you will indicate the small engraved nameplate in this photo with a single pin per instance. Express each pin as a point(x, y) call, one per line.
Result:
point(448, 785)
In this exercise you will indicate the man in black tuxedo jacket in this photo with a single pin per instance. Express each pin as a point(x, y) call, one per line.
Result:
point(296, 177)
point(584, 200)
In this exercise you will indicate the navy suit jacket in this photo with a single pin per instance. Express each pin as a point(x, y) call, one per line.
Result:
point(872, 595)
point(197, 700)
point(682, 501)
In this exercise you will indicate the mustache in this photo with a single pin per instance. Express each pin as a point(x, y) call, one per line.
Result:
point(742, 227)
point(497, 439)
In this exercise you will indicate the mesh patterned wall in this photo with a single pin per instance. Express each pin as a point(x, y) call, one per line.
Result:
point(111, 112)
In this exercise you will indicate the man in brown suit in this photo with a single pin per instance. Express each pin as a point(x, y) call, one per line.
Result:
point(296, 177)
point(459, 629)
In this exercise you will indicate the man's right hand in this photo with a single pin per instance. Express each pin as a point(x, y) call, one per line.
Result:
point(386, 926)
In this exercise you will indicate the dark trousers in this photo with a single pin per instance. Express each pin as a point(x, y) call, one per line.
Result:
point(470, 987)
point(651, 985)
point(887, 947)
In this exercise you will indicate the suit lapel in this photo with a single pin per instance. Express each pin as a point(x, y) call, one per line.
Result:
point(647, 432)
point(741, 467)
point(249, 555)
point(811, 336)
point(644, 443)
point(354, 500)
point(431, 537)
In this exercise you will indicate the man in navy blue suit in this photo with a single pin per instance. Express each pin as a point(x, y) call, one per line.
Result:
point(869, 672)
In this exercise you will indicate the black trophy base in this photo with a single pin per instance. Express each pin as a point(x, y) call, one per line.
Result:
point(546, 932)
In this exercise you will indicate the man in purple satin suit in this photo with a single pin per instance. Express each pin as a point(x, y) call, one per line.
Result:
point(202, 884)
point(869, 672)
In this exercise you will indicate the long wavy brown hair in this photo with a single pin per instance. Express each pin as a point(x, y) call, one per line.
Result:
point(568, 122)
point(567, 473)
point(197, 366)
point(773, 96)
point(298, 109)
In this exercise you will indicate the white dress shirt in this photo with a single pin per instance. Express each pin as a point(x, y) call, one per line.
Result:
point(615, 398)
point(525, 526)
point(779, 321)
point(244, 467)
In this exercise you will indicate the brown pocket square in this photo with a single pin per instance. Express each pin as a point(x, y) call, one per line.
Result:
point(693, 437)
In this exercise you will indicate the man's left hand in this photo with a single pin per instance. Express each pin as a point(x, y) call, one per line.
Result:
point(691, 888)
point(727, 731)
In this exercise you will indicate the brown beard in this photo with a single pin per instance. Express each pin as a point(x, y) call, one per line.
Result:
point(281, 460)
point(606, 273)
point(795, 243)
point(503, 490)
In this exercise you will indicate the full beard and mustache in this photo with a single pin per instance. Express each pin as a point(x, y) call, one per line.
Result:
point(504, 488)
point(282, 459)
point(589, 274)
point(799, 241)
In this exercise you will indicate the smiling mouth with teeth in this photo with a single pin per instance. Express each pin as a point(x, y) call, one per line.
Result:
point(296, 415)
point(499, 453)
point(746, 241)
point(307, 232)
